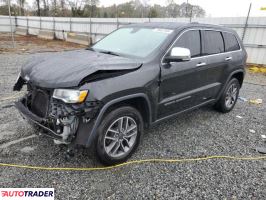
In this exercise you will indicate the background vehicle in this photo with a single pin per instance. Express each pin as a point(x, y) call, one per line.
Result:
point(135, 77)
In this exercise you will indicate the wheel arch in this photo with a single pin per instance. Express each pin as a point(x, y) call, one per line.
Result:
point(238, 74)
point(140, 101)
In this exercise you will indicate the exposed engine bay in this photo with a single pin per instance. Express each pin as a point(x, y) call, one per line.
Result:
point(54, 117)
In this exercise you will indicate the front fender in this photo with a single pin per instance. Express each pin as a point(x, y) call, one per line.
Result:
point(87, 132)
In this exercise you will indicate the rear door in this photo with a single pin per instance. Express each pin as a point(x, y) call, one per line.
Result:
point(216, 61)
point(233, 56)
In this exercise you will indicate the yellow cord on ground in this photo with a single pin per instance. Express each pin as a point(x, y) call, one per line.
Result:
point(131, 163)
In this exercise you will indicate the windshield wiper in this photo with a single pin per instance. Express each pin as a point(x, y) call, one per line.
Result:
point(90, 48)
point(110, 53)
point(102, 51)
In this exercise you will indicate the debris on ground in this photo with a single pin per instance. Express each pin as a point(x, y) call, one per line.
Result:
point(255, 101)
point(252, 101)
point(239, 117)
point(242, 99)
point(261, 150)
point(256, 68)
point(251, 131)
point(27, 149)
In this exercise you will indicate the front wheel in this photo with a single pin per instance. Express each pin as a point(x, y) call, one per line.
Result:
point(229, 97)
point(119, 135)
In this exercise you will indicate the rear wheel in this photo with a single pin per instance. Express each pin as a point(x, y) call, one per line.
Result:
point(119, 135)
point(229, 97)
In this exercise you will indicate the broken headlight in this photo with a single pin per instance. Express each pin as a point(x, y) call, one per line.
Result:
point(70, 96)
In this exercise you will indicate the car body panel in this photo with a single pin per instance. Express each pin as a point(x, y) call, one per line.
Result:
point(67, 69)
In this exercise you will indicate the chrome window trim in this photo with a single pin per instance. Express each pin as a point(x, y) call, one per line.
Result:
point(201, 29)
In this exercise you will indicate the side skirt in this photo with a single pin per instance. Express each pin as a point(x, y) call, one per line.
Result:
point(189, 109)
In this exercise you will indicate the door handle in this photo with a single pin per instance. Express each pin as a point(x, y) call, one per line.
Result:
point(201, 64)
point(228, 58)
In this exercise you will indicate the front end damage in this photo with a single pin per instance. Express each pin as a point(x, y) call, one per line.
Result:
point(58, 100)
point(64, 122)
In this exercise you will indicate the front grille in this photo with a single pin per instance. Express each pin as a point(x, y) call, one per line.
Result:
point(40, 103)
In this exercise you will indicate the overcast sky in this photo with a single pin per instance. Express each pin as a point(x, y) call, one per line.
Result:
point(213, 8)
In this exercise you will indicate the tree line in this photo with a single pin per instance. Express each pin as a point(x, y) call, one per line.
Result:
point(92, 8)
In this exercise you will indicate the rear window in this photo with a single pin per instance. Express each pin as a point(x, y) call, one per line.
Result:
point(213, 42)
point(230, 42)
point(191, 41)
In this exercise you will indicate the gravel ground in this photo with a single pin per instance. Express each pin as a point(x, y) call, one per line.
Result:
point(200, 133)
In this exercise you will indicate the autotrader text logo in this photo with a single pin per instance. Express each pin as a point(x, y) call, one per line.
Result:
point(27, 193)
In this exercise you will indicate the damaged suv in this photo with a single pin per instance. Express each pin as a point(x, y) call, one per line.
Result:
point(135, 77)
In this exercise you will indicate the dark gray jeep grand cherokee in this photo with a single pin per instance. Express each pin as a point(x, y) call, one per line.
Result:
point(133, 78)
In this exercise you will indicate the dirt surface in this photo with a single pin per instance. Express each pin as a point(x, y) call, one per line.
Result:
point(255, 78)
point(32, 44)
point(200, 133)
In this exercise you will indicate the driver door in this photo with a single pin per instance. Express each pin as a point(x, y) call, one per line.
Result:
point(182, 84)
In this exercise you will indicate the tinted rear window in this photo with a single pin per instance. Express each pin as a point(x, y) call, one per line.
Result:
point(213, 42)
point(230, 41)
point(191, 41)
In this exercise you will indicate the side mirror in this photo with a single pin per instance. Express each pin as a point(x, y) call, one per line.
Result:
point(178, 54)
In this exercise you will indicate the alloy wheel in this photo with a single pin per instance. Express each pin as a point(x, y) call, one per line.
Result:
point(231, 96)
point(120, 136)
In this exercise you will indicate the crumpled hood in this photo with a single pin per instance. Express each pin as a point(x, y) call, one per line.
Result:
point(67, 69)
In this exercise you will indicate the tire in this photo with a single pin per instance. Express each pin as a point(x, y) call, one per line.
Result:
point(232, 89)
point(113, 144)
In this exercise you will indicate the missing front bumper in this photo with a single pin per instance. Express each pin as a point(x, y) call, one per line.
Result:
point(26, 113)
point(80, 131)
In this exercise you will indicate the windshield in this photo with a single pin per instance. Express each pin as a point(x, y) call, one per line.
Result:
point(138, 42)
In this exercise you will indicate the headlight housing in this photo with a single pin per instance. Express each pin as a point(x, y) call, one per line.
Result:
point(70, 96)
